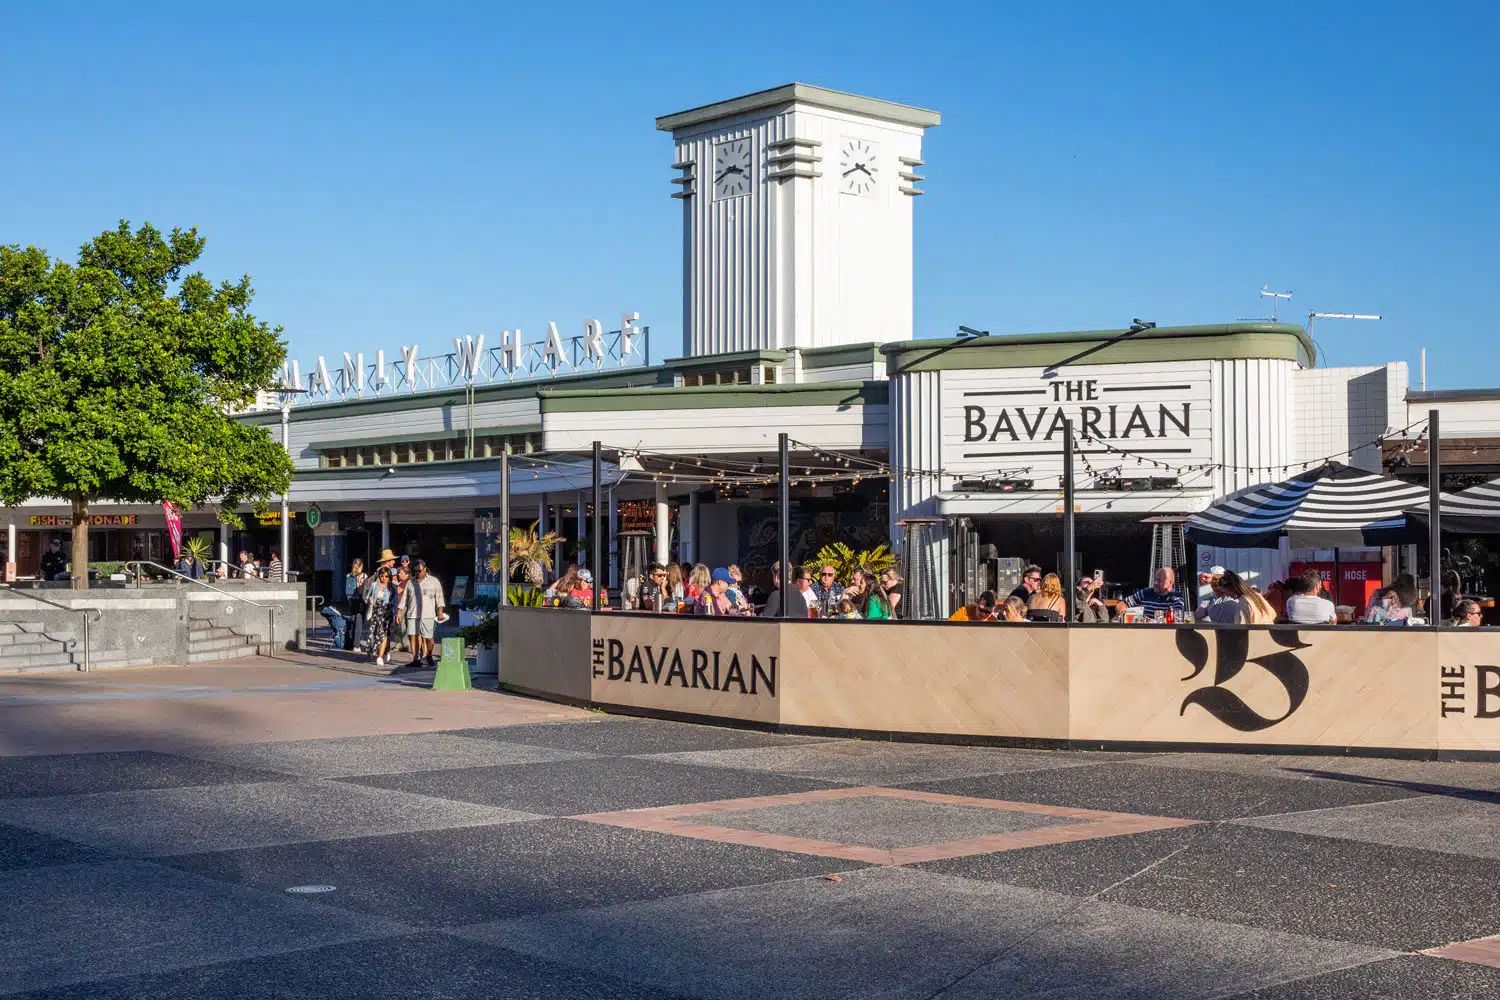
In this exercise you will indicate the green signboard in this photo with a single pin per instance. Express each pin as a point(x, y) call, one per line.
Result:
point(314, 516)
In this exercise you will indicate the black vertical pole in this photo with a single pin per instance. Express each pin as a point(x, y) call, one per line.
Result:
point(1069, 581)
point(504, 524)
point(784, 520)
point(598, 555)
point(1434, 524)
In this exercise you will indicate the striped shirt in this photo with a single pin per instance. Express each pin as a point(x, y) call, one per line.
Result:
point(1153, 601)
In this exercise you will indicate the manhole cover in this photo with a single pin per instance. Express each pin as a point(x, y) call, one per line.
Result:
point(308, 890)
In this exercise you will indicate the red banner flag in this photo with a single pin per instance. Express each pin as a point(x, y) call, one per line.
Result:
point(174, 526)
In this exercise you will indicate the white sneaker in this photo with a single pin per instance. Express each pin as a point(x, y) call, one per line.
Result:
point(380, 661)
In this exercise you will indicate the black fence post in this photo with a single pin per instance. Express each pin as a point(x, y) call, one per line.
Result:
point(504, 525)
point(784, 519)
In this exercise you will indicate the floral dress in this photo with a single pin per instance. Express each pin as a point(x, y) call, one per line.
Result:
point(378, 612)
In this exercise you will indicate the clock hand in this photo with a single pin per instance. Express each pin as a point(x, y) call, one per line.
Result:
point(857, 166)
point(727, 172)
point(861, 166)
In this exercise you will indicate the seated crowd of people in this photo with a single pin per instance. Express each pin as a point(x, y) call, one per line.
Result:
point(679, 588)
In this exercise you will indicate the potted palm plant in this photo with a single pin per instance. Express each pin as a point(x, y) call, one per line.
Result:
point(528, 558)
point(846, 560)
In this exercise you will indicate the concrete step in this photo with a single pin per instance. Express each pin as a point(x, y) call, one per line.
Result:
point(223, 654)
point(26, 664)
point(110, 663)
point(204, 634)
point(31, 648)
point(223, 642)
point(62, 668)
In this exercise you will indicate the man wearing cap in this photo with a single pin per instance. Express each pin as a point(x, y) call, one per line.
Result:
point(423, 604)
point(714, 600)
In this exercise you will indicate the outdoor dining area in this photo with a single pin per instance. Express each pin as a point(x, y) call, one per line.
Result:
point(1424, 689)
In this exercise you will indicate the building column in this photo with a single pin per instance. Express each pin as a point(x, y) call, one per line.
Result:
point(689, 540)
point(385, 529)
point(663, 525)
point(10, 549)
point(543, 522)
point(224, 543)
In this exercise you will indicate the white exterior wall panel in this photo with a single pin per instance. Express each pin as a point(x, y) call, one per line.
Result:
point(916, 442)
point(1254, 414)
point(1469, 418)
point(1342, 413)
point(729, 260)
point(750, 430)
point(446, 418)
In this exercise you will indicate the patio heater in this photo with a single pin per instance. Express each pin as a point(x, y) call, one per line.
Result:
point(921, 546)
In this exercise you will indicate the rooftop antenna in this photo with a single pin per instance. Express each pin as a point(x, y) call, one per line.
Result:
point(1317, 315)
point(1275, 297)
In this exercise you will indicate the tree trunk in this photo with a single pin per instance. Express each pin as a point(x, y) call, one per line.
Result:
point(80, 568)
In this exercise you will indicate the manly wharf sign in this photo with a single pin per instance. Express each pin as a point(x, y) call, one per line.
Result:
point(507, 359)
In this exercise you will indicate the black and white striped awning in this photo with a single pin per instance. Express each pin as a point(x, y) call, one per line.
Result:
point(1334, 505)
point(1474, 511)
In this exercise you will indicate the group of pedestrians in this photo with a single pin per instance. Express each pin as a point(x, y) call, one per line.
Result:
point(398, 606)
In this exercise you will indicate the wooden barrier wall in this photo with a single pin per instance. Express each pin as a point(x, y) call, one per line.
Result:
point(1336, 688)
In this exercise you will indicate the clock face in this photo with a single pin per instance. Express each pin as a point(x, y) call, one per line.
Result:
point(858, 167)
point(731, 168)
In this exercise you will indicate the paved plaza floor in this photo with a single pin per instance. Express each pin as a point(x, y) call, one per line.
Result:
point(263, 829)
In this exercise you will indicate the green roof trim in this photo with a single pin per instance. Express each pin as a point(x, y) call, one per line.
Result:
point(834, 357)
point(454, 395)
point(764, 357)
point(374, 472)
point(448, 434)
point(716, 397)
point(1225, 341)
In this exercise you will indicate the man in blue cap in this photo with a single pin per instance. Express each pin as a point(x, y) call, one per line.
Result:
point(714, 601)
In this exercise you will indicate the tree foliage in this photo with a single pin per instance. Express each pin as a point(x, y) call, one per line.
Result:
point(118, 374)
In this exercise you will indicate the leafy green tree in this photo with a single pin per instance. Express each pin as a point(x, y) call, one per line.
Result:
point(118, 375)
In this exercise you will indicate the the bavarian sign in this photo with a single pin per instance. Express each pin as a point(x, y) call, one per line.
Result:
point(731, 669)
point(314, 516)
point(1013, 418)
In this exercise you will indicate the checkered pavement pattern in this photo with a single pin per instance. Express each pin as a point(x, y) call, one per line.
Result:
point(641, 859)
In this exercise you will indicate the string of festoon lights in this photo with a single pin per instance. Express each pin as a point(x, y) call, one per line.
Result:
point(818, 465)
point(1270, 470)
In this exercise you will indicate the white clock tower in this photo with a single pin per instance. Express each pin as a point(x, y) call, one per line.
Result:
point(796, 219)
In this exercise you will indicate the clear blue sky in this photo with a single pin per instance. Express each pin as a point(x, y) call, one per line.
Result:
point(395, 174)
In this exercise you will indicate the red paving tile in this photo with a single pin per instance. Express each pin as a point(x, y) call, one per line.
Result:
point(1092, 824)
point(1480, 951)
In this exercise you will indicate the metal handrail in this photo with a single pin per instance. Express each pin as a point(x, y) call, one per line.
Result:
point(276, 610)
point(98, 616)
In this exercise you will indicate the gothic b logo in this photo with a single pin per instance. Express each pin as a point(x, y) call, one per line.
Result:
point(1232, 648)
